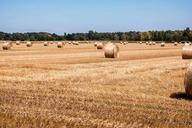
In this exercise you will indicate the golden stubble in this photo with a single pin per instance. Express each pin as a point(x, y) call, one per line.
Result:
point(77, 87)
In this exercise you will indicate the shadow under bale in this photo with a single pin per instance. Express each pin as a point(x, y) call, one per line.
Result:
point(180, 95)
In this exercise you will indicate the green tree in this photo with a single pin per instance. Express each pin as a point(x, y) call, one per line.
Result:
point(116, 37)
point(123, 37)
point(91, 35)
point(187, 34)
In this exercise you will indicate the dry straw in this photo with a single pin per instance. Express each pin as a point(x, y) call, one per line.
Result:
point(188, 80)
point(175, 44)
point(60, 44)
point(17, 42)
point(6, 46)
point(45, 43)
point(100, 45)
point(162, 44)
point(111, 51)
point(125, 43)
point(28, 44)
point(187, 52)
point(11, 43)
point(150, 43)
point(95, 44)
point(187, 44)
point(75, 43)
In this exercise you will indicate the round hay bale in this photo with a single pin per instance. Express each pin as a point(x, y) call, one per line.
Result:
point(162, 44)
point(154, 43)
point(6, 46)
point(150, 43)
point(100, 45)
point(60, 44)
point(187, 44)
point(188, 80)
point(124, 43)
point(28, 44)
point(187, 52)
point(18, 43)
point(75, 43)
point(147, 43)
point(45, 43)
point(175, 44)
point(95, 44)
point(111, 51)
point(141, 42)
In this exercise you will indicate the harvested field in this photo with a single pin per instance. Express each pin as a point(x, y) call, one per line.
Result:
point(76, 86)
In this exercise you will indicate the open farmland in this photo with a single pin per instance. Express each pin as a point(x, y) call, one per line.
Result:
point(75, 86)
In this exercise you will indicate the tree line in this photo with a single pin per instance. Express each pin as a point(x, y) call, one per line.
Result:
point(177, 35)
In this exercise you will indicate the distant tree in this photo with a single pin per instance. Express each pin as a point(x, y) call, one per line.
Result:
point(116, 37)
point(91, 35)
point(187, 34)
point(123, 37)
point(144, 36)
point(64, 35)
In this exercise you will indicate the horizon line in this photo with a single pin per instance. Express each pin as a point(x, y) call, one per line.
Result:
point(58, 33)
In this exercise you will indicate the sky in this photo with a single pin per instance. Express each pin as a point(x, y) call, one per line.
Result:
point(71, 16)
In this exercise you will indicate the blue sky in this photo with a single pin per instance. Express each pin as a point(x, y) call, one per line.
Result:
point(58, 16)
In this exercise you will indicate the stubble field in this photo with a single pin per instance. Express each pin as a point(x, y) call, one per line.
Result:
point(75, 86)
